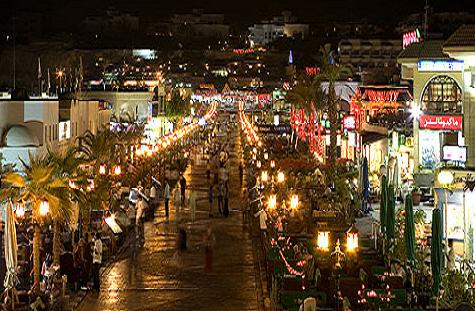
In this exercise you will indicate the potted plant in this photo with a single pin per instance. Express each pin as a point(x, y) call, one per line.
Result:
point(416, 196)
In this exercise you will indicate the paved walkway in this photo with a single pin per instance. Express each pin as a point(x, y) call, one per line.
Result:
point(159, 278)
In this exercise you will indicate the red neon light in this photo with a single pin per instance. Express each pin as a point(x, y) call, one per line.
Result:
point(432, 122)
point(311, 71)
point(381, 96)
point(410, 38)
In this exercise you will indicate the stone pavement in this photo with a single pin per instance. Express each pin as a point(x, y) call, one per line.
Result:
point(159, 278)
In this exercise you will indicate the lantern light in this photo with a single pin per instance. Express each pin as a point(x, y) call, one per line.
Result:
point(294, 201)
point(20, 210)
point(102, 169)
point(72, 184)
point(352, 239)
point(323, 240)
point(264, 176)
point(272, 203)
point(280, 177)
point(254, 150)
point(44, 208)
point(117, 170)
point(272, 163)
point(445, 177)
point(258, 164)
point(259, 144)
point(266, 156)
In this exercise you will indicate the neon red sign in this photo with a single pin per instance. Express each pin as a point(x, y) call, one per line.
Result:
point(433, 122)
point(311, 71)
point(381, 96)
point(349, 122)
point(411, 37)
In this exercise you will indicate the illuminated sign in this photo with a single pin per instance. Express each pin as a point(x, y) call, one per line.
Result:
point(454, 153)
point(381, 95)
point(411, 37)
point(440, 65)
point(349, 122)
point(311, 71)
point(433, 122)
point(64, 130)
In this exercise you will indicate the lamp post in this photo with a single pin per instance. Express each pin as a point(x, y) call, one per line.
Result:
point(323, 240)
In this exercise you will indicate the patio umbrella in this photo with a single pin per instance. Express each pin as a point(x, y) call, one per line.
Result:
point(410, 230)
point(11, 278)
point(391, 213)
point(365, 184)
point(436, 252)
point(384, 202)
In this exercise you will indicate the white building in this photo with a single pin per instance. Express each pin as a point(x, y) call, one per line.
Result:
point(265, 33)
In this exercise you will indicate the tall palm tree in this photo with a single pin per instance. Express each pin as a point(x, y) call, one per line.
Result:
point(38, 184)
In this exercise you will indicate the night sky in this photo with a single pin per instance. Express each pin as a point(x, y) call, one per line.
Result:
point(243, 10)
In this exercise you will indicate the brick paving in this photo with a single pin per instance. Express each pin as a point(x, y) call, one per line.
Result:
point(161, 279)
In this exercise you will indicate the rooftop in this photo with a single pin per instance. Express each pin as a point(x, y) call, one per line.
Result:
point(424, 50)
point(463, 36)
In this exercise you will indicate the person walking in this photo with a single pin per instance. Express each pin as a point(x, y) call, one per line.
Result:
point(183, 190)
point(221, 198)
point(210, 199)
point(192, 204)
point(166, 196)
point(97, 261)
point(209, 242)
point(177, 202)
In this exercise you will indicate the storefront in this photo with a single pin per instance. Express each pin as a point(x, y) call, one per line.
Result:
point(456, 197)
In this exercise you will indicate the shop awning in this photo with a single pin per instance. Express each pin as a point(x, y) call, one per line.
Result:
point(372, 133)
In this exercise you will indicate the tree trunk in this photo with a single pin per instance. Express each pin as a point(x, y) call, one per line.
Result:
point(36, 259)
point(333, 116)
point(56, 243)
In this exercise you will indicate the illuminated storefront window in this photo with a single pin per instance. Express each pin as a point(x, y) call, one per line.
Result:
point(442, 95)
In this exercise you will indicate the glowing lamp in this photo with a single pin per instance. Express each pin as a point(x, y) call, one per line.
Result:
point(272, 163)
point(258, 164)
point(323, 240)
point(280, 177)
point(445, 177)
point(266, 156)
point(20, 210)
point(294, 201)
point(264, 176)
point(352, 239)
point(44, 208)
point(259, 144)
point(254, 150)
point(117, 170)
point(72, 184)
point(102, 169)
point(272, 203)
point(254, 157)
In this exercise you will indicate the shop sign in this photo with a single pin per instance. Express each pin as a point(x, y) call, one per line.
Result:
point(349, 122)
point(434, 122)
point(440, 65)
point(411, 37)
point(274, 129)
point(454, 153)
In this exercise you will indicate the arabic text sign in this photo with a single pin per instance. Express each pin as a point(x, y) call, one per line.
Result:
point(349, 122)
point(440, 65)
point(432, 122)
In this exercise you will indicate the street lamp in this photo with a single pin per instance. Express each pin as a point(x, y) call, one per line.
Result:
point(20, 210)
point(258, 164)
point(294, 201)
point(272, 163)
point(117, 170)
point(280, 177)
point(445, 178)
point(264, 176)
point(44, 208)
point(323, 240)
point(266, 156)
point(102, 169)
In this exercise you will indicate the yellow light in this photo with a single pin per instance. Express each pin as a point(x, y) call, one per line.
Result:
point(149, 152)
point(44, 208)
point(272, 203)
point(266, 156)
point(254, 150)
point(72, 184)
point(259, 144)
point(445, 177)
point(258, 164)
point(280, 177)
point(352, 242)
point(272, 163)
point(294, 201)
point(102, 169)
point(264, 176)
point(254, 157)
point(323, 240)
point(20, 210)
point(117, 170)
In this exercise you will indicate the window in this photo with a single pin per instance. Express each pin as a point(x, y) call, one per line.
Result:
point(442, 95)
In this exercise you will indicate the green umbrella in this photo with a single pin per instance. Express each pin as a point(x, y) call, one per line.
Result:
point(410, 230)
point(384, 203)
point(390, 213)
point(436, 252)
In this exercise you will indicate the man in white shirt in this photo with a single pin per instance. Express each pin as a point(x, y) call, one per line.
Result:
point(97, 261)
point(262, 219)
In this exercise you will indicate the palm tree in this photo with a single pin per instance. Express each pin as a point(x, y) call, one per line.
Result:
point(38, 185)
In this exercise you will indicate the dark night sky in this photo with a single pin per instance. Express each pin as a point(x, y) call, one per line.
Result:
point(245, 10)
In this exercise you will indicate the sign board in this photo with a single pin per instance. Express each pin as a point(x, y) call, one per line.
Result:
point(274, 129)
point(349, 122)
point(445, 122)
point(64, 130)
point(411, 37)
point(440, 65)
point(454, 153)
